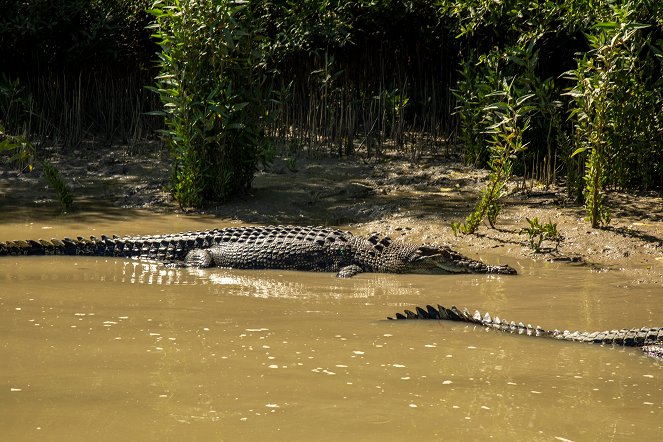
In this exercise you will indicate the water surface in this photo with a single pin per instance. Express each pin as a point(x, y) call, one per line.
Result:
point(112, 349)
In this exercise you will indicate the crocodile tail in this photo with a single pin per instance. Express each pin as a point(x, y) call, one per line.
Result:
point(104, 246)
point(157, 247)
point(93, 246)
point(634, 337)
point(651, 337)
point(441, 312)
point(464, 315)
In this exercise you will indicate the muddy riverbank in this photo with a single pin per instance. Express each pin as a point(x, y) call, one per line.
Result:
point(417, 201)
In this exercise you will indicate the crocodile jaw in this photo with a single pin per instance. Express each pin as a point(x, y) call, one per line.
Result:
point(430, 259)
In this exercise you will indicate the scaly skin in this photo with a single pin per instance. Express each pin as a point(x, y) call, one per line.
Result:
point(649, 339)
point(274, 247)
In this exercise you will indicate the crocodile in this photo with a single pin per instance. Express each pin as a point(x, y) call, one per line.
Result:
point(273, 247)
point(649, 339)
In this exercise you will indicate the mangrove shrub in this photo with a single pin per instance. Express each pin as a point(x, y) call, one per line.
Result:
point(616, 111)
point(211, 90)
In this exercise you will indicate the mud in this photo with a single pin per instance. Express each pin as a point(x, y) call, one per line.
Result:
point(392, 195)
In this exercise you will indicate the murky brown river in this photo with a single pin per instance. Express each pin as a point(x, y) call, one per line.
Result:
point(111, 349)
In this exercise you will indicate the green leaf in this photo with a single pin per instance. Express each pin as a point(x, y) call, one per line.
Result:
point(524, 98)
point(636, 26)
point(578, 151)
point(606, 26)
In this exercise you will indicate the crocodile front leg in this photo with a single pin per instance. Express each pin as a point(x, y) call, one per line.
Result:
point(349, 271)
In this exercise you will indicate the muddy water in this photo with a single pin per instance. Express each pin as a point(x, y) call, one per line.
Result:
point(105, 349)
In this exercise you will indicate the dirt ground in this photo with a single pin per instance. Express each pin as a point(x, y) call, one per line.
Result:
point(416, 201)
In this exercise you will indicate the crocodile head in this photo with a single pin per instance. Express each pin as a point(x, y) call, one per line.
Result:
point(434, 259)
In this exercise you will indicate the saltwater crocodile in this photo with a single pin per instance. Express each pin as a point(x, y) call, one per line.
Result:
point(649, 339)
point(273, 247)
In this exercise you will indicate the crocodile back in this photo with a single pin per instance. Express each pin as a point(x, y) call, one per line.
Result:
point(283, 247)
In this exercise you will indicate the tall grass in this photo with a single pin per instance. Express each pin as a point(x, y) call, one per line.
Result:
point(331, 105)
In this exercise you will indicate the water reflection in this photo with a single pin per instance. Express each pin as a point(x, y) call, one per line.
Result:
point(262, 283)
point(139, 351)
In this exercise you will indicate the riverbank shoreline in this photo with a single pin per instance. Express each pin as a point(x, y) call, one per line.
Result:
point(416, 202)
